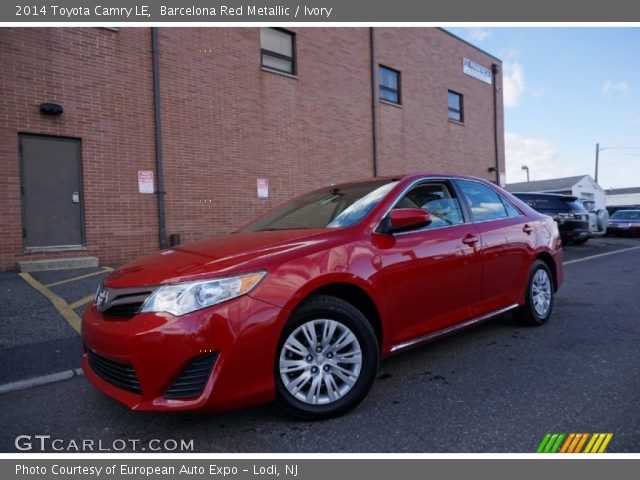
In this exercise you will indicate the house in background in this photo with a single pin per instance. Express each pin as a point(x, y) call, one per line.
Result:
point(623, 196)
point(582, 186)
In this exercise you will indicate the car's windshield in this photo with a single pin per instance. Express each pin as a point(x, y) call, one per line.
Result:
point(332, 207)
point(626, 215)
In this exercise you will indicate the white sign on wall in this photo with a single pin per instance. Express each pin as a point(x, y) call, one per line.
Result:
point(145, 181)
point(476, 70)
point(263, 188)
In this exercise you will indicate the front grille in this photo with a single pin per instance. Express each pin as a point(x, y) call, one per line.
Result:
point(193, 379)
point(118, 374)
point(124, 310)
point(122, 302)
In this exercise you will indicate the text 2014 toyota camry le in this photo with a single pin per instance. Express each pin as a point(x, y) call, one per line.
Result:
point(300, 305)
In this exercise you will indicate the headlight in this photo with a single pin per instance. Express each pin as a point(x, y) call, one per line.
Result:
point(183, 298)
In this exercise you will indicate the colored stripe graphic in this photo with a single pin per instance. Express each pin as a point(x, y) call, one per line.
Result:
point(550, 443)
point(574, 443)
point(581, 443)
point(598, 443)
point(543, 443)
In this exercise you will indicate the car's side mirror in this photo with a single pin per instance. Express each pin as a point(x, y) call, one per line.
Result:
point(402, 219)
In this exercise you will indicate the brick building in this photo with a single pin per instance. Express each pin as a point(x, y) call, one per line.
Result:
point(296, 107)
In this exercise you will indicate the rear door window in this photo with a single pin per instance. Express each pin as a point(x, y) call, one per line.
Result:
point(484, 202)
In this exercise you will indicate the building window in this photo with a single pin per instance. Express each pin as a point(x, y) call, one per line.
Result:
point(455, 107)
point(278, 50)
point(389, 85)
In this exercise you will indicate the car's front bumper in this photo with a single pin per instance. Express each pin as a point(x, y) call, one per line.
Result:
point(159, 347)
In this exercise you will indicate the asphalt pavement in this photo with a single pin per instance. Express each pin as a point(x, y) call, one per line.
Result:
point(498, 387)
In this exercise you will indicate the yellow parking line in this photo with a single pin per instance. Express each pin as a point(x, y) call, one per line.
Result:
point(82, 301)
point(67, 280)
point(58, 302)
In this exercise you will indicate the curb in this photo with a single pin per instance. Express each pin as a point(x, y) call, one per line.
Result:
point(40, 381)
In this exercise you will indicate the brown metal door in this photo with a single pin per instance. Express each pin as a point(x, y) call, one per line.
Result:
point(51, 192)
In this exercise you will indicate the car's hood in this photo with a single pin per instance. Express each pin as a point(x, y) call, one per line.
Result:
point(211, 257)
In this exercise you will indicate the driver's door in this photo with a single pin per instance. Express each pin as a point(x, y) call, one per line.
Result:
point(432, 275)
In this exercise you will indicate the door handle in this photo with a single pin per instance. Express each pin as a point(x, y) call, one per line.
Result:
point(527, 228)
point(470, 239)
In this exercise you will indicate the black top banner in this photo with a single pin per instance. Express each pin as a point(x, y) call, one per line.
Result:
point(116, 11)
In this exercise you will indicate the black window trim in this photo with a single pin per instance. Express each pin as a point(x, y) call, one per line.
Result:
point(388, 89)
point(449, 109)
point(292, 59)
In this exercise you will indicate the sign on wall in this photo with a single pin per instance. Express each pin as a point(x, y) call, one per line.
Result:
point(476, 70)
point(145, 181)
point(263, 187)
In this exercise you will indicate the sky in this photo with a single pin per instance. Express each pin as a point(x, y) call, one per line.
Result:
point(566, 89)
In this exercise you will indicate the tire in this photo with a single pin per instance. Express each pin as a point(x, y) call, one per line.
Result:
point(580, 241)
point(532, 312)
point(317, 386)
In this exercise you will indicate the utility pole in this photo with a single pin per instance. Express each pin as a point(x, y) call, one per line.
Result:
point(597, 156)
point(526, 168)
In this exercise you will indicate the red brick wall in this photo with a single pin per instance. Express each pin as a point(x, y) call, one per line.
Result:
point(102, 79)
point(418, 135)
point(226, 122)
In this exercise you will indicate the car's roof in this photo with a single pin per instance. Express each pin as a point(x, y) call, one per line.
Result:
point(414, 176)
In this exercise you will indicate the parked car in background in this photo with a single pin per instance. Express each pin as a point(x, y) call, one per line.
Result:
point(299, 305)
point(572, 218)
point(614, 208)
point(598, 219)
point(624, 222)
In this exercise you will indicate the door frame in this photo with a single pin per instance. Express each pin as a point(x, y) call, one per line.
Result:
point(80, 173)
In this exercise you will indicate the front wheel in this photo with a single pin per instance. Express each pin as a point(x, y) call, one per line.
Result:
point(327, 359)
point(539, 297)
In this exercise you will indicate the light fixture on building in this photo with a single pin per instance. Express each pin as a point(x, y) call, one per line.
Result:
point(492, 169)
point(51, 108)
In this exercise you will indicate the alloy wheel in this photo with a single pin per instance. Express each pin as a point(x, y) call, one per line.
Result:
point(541, 292)
point(320, 362)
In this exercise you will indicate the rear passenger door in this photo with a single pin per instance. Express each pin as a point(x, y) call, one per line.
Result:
point(506, 244)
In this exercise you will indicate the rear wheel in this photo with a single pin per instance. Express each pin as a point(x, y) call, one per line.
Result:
point(580, 241)
point(327, 359)
point(539, 297)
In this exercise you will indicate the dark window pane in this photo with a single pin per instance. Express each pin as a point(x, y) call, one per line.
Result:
point(455, 115)
point(511, 210)
point(484, 202)
point(438, 200)
point(389, 96)
point(454, 101)
point(277, 63)
point(333, 207)
point(389, 85)
point(277, 49)
point(276, 41)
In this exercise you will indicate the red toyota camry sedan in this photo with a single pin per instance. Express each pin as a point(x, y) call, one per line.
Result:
point(300, 305)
